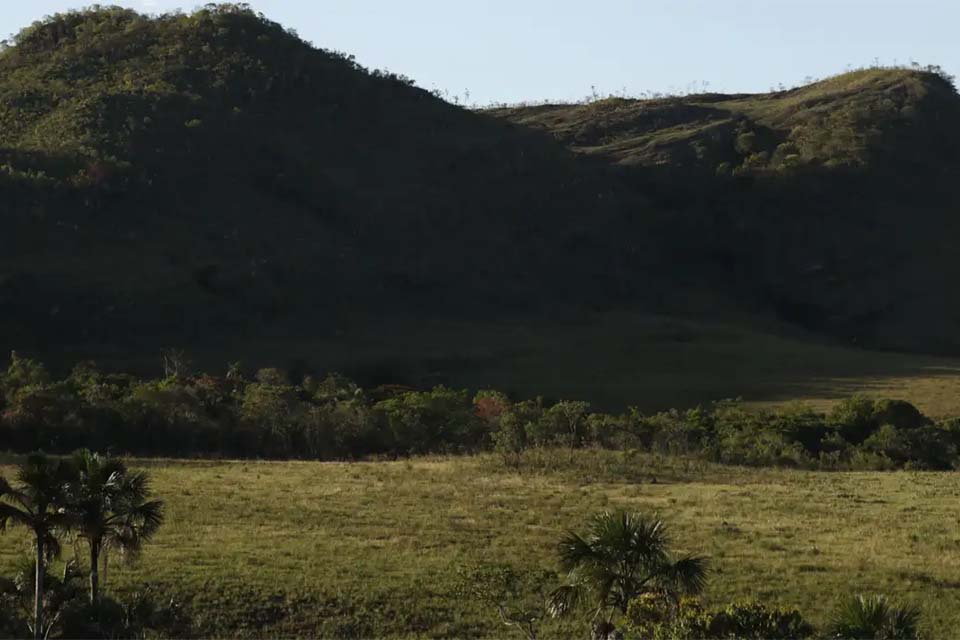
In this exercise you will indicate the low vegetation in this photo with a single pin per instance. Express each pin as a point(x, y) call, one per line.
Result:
point(331, 418)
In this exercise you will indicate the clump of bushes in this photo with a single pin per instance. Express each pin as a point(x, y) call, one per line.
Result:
point(650, 617)
point(268, 415)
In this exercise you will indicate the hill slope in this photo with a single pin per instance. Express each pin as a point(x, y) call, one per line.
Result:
point(833, 204)
point(867, 119)
point(170, 180)
point(210, 181)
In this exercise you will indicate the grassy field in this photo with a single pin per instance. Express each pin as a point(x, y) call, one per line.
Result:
point(372, 548)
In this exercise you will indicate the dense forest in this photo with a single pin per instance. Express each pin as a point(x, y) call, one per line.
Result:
point(207, 178)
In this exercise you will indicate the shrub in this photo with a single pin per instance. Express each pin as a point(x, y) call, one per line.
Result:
point(899, 413)
point(679, 433)
point(858, 417)
point(518, 597)
point(141, 614)
point(419, 422)
point(874, 618)
point(510, 439)
point(757, 621)
point(565, 423)
point(854, 418)
point(655, 618)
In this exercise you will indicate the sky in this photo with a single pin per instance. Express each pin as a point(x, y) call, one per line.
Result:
point(492, 51)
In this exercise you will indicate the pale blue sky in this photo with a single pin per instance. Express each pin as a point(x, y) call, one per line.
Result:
point(511, 50)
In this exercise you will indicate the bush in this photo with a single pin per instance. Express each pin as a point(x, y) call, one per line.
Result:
point(442, 419)
point(757, 621)
point(874, 618)
point(655, 618)
point(679, 433)
point(565, 424)
point(854, 418)
point(858, 417)
point(142, 614)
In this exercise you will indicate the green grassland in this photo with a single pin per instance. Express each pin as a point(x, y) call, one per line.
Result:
point(373, 548)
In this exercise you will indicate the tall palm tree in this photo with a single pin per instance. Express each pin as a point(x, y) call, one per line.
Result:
point(111, 509)
point(621, 556)
point(875, 618)
point(37, 503)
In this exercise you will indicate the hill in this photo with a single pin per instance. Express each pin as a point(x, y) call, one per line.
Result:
point(211, 181)
point(870, 118)
point(831, 204)
point(187, 178)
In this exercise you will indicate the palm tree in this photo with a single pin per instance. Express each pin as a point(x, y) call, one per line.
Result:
point(110, 509)
point(875, 618)
point(37, 503)
point(620, 557)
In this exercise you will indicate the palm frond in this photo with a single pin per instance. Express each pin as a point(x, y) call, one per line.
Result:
point(903, 622)
point(874, 617)
point(565, 599)
point(11, 514)
point(147, 517)
point(686, 576)
point(51, 546)
point(136, 485)
point(634, 538)
point(575, 551)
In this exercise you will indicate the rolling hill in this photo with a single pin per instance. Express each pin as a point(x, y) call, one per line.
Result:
point(172, 180)
point(210, 181)
point(832, 204)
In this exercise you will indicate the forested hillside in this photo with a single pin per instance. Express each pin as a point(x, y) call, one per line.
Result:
point(213, 180)
point(173, 180)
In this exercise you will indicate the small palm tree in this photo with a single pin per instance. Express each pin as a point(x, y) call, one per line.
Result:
point(875, 618)
point(620, 557)
point(60, 592)
point(111, 509)
point(37, 503)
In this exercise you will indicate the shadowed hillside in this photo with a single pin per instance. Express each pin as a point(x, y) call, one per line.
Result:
point(832, 204)
point(212, 182)
point(175, 180)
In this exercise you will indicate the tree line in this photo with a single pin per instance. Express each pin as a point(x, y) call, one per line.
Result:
point(332, 418)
